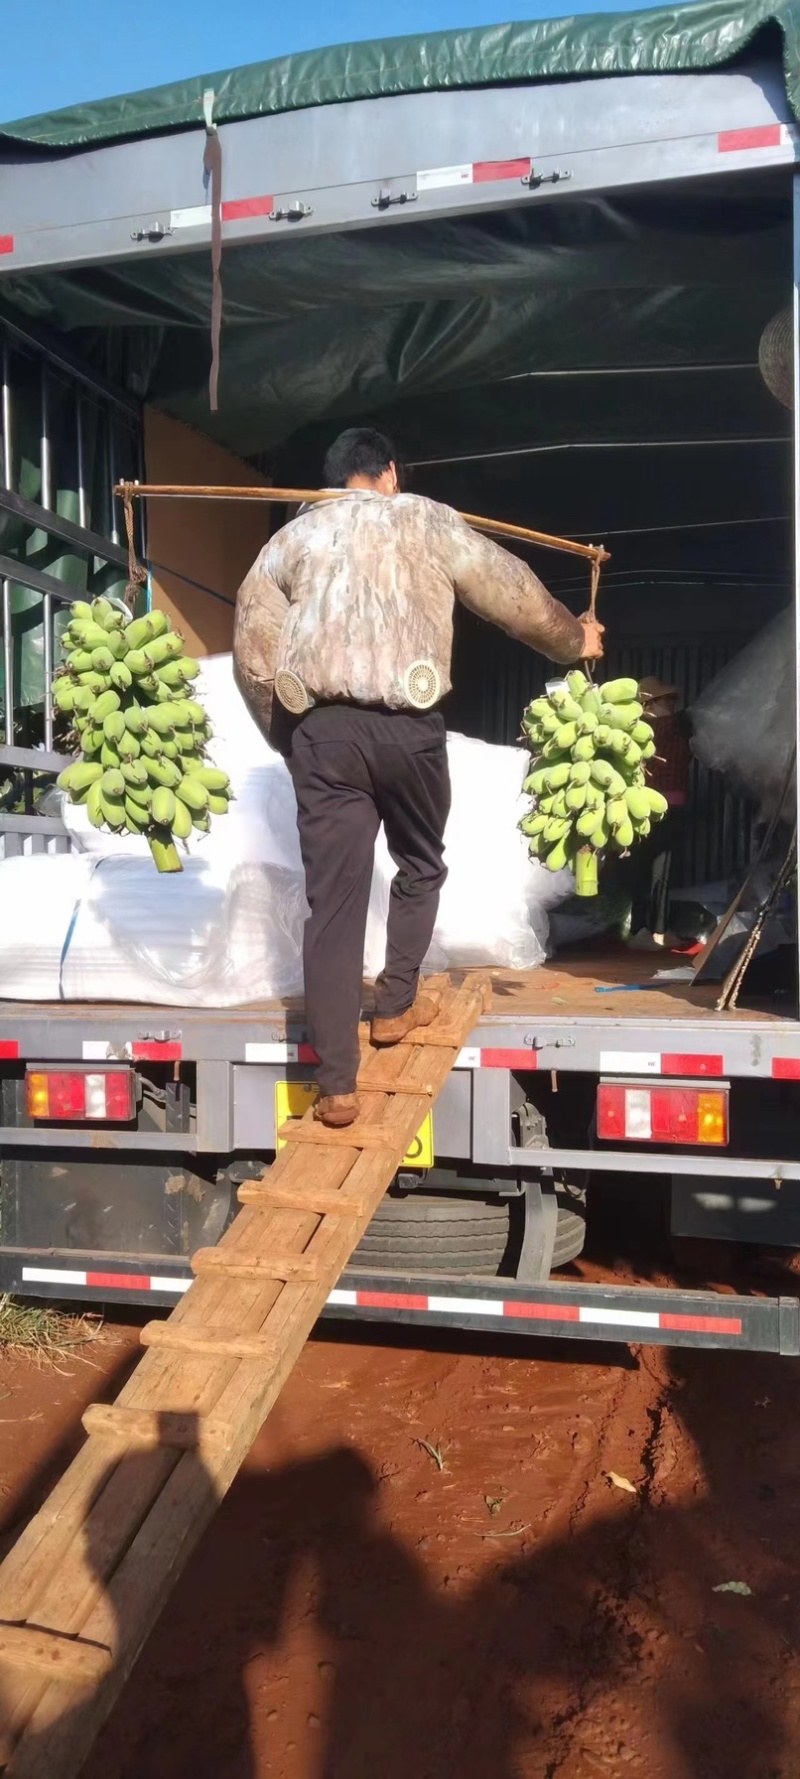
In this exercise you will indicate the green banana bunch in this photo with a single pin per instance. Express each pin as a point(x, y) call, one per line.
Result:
point(124, 688)
point(589, 747)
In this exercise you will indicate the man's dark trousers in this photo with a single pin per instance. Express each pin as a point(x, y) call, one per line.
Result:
point(352, 769)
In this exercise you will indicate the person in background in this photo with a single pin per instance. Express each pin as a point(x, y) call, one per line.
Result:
point(668, 773)
point(347, 616)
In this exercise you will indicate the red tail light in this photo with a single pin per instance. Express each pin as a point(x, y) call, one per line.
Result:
point(633, 1112)
point(77, 1096)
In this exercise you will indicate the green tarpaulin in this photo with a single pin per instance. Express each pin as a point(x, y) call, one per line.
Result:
point(667, 39)
point(590, 366)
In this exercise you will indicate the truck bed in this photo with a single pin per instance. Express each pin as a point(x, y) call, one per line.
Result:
point(606, 986)
point(614, 982)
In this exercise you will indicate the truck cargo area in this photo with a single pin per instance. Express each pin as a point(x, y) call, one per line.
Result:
point(608, 982)
point(568, 342)
point(556, 302)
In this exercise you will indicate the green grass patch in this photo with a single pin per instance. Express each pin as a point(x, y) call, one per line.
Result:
point(44, 1332)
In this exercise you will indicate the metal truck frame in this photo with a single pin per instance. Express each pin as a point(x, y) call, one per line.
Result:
point(206, 1083)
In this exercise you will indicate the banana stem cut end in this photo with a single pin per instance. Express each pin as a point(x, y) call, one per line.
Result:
point(586, 872)
point(165, 852)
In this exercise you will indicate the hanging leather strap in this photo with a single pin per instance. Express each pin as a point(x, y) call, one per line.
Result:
point(137, 576)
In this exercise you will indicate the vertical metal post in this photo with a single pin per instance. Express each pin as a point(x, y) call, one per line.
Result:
point(8, 478)
point(46, 457)
point(8, 426)
point(47, 614)
point(8, 666)
point(796, 427)
point(47, 620)
point(81, 441)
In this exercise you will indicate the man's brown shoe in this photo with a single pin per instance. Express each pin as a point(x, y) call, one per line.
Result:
point(338, 1110)
point(393, 1031)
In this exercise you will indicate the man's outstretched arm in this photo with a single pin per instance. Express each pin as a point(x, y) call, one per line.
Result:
point(497, 586)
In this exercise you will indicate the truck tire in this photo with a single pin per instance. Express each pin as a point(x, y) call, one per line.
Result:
point(440, 1232)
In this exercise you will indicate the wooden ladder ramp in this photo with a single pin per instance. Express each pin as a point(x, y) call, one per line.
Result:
point(84, 1584)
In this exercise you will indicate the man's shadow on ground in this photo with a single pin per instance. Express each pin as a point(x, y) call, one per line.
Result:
point(468, 1683)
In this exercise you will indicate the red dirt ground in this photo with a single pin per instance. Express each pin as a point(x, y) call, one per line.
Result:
point(356, 1613)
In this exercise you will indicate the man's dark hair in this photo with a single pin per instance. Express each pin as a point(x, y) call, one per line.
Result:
point(361, 451)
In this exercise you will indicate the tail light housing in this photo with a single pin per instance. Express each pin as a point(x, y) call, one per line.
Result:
point(637, 1112)
point(80, 1096)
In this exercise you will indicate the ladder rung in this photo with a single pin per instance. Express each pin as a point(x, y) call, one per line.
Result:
point(471, 1001)
point(214, 1343)
point(436, 1038)
point(58, 1657)
point(373, 1084)
point(314, 1201)
point(234, 1263)
point(145, 1429)
point(350, 1136)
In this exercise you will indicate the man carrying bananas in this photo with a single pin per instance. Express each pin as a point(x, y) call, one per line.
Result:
point(346, 618)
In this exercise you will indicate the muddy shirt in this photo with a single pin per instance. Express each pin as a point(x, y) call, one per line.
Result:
point(356, 588)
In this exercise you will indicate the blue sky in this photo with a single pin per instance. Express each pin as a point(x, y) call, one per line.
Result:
point(58, 52)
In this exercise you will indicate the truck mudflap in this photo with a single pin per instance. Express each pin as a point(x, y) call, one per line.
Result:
point(630, 1314)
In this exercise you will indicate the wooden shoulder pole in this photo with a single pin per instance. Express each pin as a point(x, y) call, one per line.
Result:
point(129, 491)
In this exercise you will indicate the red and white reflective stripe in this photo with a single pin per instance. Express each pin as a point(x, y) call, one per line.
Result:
point(473, 1058)
point(9, 1049)
point(102, 1281)
point(786, 1068)
point(760, 136)
point(653, 1062)
point(198, 216)
point(280, 1053)
point(472, 173)
point(470, 1058)
point(498, 1309)
point(154, 1050)
point(136, 1050)
point(543, 1311)
point(496, 1059)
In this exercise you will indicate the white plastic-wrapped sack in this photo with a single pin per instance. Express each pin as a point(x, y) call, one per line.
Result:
point(39, 898)
point(494, 905)
point(209, 938)
point(743, 725)
point(228, 930)
point(77, 927)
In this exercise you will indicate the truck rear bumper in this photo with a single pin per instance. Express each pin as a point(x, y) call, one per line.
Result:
point(629, 1314)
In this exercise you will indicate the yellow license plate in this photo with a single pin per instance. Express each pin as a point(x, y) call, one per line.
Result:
point(293, 1099)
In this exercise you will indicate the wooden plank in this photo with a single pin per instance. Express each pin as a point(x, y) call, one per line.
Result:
point(457, 1018)
point(185, 1386)
point(141, 1429)
point(368, 1085)
point(273, 1265)
point(101, 1568)
point(60, 1658)
point(102, 1504)
point(218, 1343)
point(306, 1199)
point(318, 1136)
